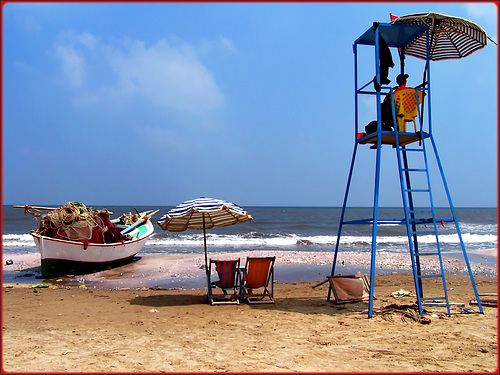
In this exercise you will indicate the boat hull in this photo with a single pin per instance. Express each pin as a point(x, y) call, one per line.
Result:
point(59, 257)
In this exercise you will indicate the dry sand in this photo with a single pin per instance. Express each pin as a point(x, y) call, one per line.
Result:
point(94, 324)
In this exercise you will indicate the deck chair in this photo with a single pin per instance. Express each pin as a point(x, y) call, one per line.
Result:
point(258, 276)
point(229, 282)
point(406, 106)
point(349, 288)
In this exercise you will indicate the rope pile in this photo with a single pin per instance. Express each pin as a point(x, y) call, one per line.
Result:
point(72, 212)
point(408, 313)
point(73, 221)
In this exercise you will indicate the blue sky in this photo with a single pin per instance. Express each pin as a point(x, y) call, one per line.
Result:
point(156, 103)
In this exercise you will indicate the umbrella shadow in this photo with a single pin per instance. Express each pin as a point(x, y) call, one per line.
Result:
point(312, 306)
point(170, 300)
point(300, 305)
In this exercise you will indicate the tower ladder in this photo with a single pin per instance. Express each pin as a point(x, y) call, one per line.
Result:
point(416, 224)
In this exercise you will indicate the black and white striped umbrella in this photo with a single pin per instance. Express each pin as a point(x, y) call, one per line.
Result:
point(203, 213)
point(450, 37)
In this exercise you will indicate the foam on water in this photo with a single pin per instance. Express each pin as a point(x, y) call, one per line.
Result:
point(288, 229)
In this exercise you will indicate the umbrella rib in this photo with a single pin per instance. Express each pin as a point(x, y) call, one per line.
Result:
point(208, 218)
point(230, 212)
point(454, 45)
point(191, 213)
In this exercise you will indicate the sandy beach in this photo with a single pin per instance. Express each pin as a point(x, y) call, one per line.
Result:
point(152, 316)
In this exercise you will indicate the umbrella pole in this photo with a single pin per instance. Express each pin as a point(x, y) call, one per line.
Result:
point(206, 259)
point(205, 243)
point(423, 101)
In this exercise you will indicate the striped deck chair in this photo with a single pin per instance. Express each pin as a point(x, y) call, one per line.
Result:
point(229, 281)
point(258, 280)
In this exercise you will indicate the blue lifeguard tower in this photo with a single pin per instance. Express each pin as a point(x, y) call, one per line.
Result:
point(412, 146)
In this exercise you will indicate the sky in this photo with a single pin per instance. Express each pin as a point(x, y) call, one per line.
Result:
point(152, 104)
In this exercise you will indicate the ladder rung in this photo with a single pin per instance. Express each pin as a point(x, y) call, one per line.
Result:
point(419, 212)
point(444, 304)
point(411, 149)
point(426, 254)
point(420, 220)
point(417, 190)
point(413, 170)
point(434, 299)
point(428, 276)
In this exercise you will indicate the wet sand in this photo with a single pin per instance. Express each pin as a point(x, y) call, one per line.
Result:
point(173, 271)
point(152, 316)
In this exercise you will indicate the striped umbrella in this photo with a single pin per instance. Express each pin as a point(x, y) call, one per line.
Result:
point(450, 37)
point(203, 213)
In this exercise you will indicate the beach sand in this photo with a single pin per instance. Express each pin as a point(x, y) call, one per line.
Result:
point(136, 319)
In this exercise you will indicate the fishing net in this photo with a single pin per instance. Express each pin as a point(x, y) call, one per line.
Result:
point(75, 222)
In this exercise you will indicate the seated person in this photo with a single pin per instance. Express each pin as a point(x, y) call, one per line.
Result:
point(401, 79)
point(385, 107)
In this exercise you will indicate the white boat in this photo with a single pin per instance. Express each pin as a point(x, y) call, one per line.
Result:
point(62, 256)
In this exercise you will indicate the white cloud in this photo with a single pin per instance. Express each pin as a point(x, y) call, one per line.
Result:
point(72, 64)
point(487, 12)
point(227, 44)
point(88, 40)
point(168, 75)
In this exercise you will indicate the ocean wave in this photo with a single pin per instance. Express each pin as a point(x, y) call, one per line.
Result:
point(479, 229)
point(17, 240)
point(296, 240)
point(255, 239)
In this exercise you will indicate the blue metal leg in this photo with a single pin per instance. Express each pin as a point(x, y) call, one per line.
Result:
point(342, 216)
point(471, 276)
point(375, 222)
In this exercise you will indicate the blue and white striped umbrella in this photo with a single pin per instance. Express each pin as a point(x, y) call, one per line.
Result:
point(203, 213)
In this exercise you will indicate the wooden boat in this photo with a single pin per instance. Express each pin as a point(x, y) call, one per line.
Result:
point(63, 257)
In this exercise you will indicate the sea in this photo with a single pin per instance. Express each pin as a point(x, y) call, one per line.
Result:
point(287, 229)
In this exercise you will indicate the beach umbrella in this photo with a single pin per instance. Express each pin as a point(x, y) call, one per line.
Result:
point(203, 214)
point(450, 37)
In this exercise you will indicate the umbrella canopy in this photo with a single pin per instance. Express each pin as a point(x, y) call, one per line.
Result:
point(203, 213)
point(450, 37)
